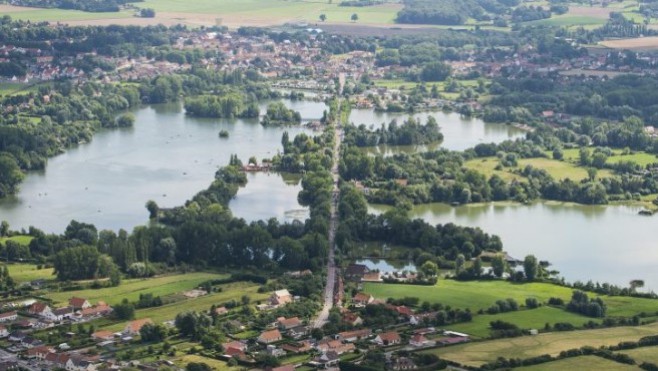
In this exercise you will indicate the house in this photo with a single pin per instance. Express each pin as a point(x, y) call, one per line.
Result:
point(102, 335)
point(356, 335)
point(301, 347)
point(352, 319)
point(336, 346)
point(30, 342)
point(269, 337)
point(387, 338)
point(238, 345)
point(40, 309)
point(3, 331)
point(362, 299)
point(58, 360)
point(355, 272)
point(17, 336)
point(99, 310)
point(60, 314)
point(79, 363)
point(8, 316)
point(420, 341)
point(288, 323)
point(280, 297)
point(79, 303)
point(298, 332)
point(404, 363)
point(328, 359)
point(220, 311)
point(39, 352)
point(273, 351)
point(133, 327)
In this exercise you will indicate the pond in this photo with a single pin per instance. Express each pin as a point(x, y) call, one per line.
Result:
point(602, 243)
point(459, 133)
point(167, 157)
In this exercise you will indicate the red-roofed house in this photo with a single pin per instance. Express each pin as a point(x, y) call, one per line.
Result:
point(79, 303)
point(388, 338)
point(362, 299)
point(102, 335)
point(288, 323)
point(420, 341)
point(40, 309)
point(8, 316)
point(133, 327)
point(269, 337)
point(39, 352)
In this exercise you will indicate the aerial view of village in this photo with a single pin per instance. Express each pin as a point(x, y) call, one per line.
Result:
point(353, 185)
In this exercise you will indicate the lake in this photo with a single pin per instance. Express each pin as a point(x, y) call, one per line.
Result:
point(602, 243)
point(167, 157)
point(459, 133)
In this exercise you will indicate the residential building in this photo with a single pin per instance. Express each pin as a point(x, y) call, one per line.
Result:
point(361, 299)
point(356, 335)
point(280, 297)
point(288, 323)
point(79, 303)
point(269, 337)
point(133, 327)
point(387, 338)
point(8, 316)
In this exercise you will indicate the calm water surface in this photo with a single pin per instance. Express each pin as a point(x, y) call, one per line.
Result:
point(602, 243)
point(459, 133)
point(167, 157)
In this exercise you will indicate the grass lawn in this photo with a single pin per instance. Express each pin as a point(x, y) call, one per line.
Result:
point(130, 289)
point(580, 363)
point(478, 353)
point(23, 240)
point(232, 291)
point(29, 272)
point(213, 363)
point(397, 84)
point(644, 354)
point(557, 169)
point(640, 158)
point(482, 294)
point(525, 319)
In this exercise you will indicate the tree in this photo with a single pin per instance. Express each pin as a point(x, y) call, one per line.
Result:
point(635, 284)
point(4, 228)
point(323, 17)
point(435, 71)
point(429, 269)
point(197, 366)
point(530, 267)
point(152, 208)
point(125, 310)
point(126, 120)
point(152, 333)
point(459, 264)
point(355, 17)
point(498, 265)
point(77, 263)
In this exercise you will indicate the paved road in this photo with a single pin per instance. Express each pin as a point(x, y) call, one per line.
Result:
point(7, 356)
point(333, 223)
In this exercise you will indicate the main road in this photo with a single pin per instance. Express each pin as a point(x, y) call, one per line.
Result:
point(333, 222)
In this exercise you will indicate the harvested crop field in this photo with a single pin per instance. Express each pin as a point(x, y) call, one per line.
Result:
point(638, 43)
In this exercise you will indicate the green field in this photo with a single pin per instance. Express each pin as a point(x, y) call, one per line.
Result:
point(23, 240)
point(525, 319)
point(29, 272)
point(557, 169)
point(478, 353)
point(580, 363)
point(213, 363)
point(130, 289)
point(482, 294)
point(232, 291)
point(640, 158)
point(644, 354)
point(40, 15)
point(567, 20)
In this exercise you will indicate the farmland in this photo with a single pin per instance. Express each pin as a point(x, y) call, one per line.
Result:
point(580, 363)
point(29, 272)
point(644, 354)
point(524, 319)
point(478, 353)
point(557, 169)
point(482, 294)
point(233, 291)
point(131, 289)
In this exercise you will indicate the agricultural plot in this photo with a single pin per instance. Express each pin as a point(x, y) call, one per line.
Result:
point(168, 312)
point(644, 354)
point(557, 169)
point(580, 363)
point(524, 319)
point(482, 294)
point(29, 272)
point(479, 353)
point(131, 289)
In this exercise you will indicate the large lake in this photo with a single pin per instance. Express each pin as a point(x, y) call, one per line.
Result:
point(602, 243)
point(459, 133)
point(167, 157)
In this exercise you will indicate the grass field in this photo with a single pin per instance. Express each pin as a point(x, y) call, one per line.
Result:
point(23, 240)
point(478, 353)
point(568, 20)
point(232, 13)
point(29, 272)
point(580, 363)
point(130, 289)
point(482, 294)
point(213, 363)
point(557, 169)
point(644, 354)
point(640, 158)
point(525, 319)
point(233, 291)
